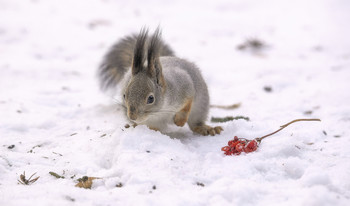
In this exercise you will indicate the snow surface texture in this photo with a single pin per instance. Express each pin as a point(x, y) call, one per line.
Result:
point(57, 119)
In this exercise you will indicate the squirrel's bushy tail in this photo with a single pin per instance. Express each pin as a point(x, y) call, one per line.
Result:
point(120, 57)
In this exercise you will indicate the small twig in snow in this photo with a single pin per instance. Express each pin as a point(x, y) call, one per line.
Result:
point(56, 175)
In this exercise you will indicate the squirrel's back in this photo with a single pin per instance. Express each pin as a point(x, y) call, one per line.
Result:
point(119, 59)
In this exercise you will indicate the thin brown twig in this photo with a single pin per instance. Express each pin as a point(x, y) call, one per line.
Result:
point(284, 126)
point(31, 176)
point(233, 106)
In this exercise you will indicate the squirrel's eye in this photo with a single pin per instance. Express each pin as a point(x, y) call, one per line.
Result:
point(124, 96)
point(150, 99)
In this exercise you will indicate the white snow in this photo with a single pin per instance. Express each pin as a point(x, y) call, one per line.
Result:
point(53, 113)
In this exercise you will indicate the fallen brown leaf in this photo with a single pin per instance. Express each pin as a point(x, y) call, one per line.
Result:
point(86, 182)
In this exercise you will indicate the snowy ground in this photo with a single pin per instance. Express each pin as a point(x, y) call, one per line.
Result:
point(53, 113)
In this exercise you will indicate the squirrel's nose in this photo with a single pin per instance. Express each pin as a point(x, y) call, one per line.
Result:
point(132, 109)
point(132, 113)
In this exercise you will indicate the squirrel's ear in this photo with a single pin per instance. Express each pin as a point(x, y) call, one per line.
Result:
point(139, 52)
point(154, 68)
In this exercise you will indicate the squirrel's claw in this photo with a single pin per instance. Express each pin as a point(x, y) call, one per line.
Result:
point(207, 130)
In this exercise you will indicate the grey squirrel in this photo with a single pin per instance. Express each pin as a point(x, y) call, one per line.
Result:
point(157, 88)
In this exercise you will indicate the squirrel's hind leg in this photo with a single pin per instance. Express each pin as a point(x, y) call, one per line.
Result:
point(197, 119)
point(196, 124)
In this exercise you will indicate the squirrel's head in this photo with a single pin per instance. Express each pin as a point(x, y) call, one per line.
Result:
point(143, 95)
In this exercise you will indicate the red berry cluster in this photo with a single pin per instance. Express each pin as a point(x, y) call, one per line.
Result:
point(237, 146)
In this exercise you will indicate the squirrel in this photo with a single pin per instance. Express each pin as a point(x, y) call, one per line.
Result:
point(157, 87)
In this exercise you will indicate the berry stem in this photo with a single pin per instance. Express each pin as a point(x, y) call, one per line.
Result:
point(282, 127)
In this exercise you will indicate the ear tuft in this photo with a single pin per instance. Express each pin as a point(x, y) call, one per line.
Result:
point(139, 51)
point(154, 67)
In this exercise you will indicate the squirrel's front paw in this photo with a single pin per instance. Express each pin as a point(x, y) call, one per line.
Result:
point(181, 116)
point(180, 119)
point(206, 130)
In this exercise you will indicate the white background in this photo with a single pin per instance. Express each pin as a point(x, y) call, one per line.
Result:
point(51, 108)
